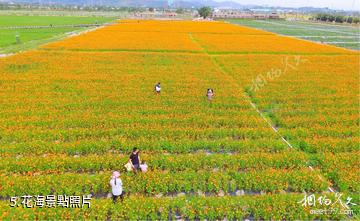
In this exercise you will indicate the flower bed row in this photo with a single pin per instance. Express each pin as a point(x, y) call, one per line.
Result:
point(173, 162)
point(95, 146)
point(267, 207)
point(165, 182)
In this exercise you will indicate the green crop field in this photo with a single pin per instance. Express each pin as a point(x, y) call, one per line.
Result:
point(346, 36)
point(13, 25)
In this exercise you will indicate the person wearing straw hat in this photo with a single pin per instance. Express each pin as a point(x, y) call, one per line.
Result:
point(116, 186)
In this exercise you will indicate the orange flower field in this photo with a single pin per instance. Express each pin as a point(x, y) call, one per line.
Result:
point(263, 44)
point(182, 27)
point(125, 41)
point(284, 121)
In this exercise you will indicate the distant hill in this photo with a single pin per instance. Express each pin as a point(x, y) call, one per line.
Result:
point(136, 3)
point(165, 3)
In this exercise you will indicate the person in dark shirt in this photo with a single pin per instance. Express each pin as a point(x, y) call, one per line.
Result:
point(135, 159)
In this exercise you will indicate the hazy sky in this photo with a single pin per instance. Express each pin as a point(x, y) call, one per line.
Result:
point(334, 4)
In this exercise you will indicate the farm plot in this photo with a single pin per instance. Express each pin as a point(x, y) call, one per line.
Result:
point(21, 32)
point(314, 106)
point(263, 44)
point(345, 36)
point(104, 101)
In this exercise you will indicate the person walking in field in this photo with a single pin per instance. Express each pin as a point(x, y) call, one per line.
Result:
point(134, 159)
point(210, 94)
point(158, 88)
point(116, 187)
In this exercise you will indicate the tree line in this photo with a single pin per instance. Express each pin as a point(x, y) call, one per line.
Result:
point(337, 18)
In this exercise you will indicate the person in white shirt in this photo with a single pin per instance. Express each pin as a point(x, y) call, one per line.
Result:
point(144, 167)
point(210, 94)
point(116, 186)
point(158, 88)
